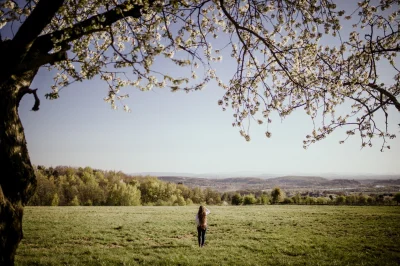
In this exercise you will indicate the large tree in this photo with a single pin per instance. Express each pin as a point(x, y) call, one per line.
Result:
point(289, 54)
point(277, 195)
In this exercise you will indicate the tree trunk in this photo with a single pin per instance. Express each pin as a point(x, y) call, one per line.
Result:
point(17, 179)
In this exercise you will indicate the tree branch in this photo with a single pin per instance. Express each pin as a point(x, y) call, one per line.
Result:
point(33, 26)
point(43, 59)
point(387, 94)
point(27, 90)
point(94, 24)
point(266, 42)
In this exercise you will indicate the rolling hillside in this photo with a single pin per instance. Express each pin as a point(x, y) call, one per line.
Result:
point(284, 182)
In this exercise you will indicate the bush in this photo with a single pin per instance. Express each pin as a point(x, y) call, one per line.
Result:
point(74, 201)
point(249, 199)
point(340, 200)
point(263, 199)
point(287, 201)
point(397, 198)
point(237, 199)
point(296, 198)
point(322, 200)
point(189, 202)
point(180, 201)
point(56, 200)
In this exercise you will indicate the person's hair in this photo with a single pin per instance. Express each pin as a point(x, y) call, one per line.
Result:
point(202, 217)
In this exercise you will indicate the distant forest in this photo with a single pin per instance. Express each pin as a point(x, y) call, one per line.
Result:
point(69, 186)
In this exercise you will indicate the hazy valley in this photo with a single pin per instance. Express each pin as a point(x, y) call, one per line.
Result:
point(292, 183)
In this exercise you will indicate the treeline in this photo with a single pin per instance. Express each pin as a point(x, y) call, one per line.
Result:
point(68, 186)
point(278, 196)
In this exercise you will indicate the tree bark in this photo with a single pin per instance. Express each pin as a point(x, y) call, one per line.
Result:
point(17, 179)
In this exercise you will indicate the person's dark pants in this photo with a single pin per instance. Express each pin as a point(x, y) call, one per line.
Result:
point(201, 235)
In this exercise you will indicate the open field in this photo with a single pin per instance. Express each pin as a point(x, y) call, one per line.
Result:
point(237, 235)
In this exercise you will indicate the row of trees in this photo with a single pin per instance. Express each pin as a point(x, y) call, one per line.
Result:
point(67, 186)
point(277, 196)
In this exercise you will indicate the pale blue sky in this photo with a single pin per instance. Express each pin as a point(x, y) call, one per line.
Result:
point(179, 132)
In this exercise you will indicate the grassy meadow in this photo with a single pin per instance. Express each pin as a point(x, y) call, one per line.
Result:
point(237, 235)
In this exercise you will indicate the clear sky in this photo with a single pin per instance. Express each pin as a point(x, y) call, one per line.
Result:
point(179, 132)
point(185, 133)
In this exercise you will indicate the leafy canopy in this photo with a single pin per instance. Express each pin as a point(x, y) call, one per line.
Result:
point(289, 54)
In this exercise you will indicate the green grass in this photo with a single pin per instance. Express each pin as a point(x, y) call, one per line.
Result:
point(245, 235)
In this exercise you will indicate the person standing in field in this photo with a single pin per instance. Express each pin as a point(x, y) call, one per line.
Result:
point(201, 221)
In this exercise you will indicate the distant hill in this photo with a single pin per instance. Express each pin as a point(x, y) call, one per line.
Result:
point(284, 182)
point(298, 178)
point(250, 174)
point(221, 184)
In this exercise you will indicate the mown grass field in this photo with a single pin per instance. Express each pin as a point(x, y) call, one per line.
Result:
point(237, 235)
